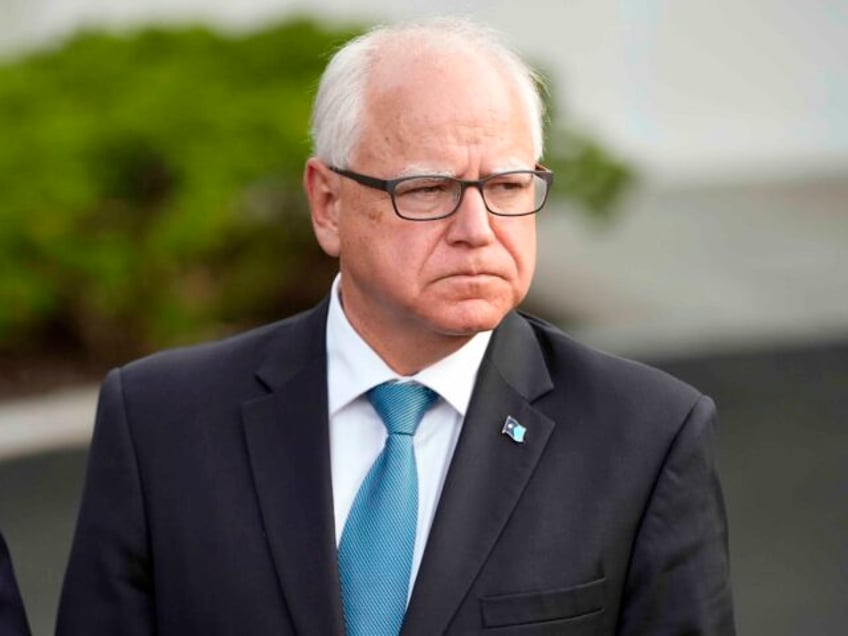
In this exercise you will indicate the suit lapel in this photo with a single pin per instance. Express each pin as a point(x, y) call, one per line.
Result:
point(288, 445)
point(487, 476)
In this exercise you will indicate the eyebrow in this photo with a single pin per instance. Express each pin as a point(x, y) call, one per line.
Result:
point(419, 169)
point(514, 164)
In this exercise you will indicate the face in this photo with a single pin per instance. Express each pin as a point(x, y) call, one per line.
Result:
point(433, 281)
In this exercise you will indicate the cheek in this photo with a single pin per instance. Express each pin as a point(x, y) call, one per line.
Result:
point(359, 226)
point(519, 241)
point(380, 245)
point(522, 250)
point(529, 253)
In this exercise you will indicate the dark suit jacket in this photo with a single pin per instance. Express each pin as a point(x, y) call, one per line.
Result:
point(13, 620)
point(208, 504)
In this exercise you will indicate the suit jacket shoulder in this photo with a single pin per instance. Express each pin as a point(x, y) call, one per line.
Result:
point(273, 351)
point(610, 388)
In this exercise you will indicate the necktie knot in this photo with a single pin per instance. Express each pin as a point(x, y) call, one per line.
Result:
point(401, 405)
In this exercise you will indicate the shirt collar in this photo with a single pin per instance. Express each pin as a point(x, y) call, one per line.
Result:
point(353, 367)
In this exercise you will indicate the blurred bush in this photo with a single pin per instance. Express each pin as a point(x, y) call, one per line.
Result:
point(150, 187)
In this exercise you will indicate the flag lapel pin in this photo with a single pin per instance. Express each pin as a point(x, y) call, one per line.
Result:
point(513, 430)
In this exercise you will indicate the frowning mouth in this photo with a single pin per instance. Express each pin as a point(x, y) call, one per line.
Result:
point(470, 276)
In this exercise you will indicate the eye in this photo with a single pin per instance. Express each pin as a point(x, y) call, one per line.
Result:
point(513, 183)
point(423, 187)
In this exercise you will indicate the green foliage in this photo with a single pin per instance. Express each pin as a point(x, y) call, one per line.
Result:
point(150, 186)
point(587, 174)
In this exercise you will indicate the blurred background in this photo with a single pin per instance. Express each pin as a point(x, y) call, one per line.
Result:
point(150, 158)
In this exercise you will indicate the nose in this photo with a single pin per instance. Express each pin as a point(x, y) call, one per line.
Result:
point(471, 224)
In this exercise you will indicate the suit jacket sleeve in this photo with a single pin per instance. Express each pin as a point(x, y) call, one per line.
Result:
point(678, 580)
point(107, 587)
point(13, 620)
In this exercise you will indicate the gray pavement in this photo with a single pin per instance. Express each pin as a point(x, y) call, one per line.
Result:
point(784, 465)
point(39, 496)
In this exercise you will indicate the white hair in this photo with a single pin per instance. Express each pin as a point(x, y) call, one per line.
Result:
point(337, 113)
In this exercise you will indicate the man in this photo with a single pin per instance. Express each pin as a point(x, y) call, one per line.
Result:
point(235, 488)
point(13, 620)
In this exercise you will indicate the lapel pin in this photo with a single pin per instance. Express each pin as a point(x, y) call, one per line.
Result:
point(513, 429)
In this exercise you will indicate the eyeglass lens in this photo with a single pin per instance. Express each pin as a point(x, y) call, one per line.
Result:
point(511, 194)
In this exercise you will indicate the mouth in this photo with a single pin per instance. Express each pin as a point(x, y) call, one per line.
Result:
point(470, 276)
point(470, 273)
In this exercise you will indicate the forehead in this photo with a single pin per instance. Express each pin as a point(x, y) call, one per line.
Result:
point(426, 98)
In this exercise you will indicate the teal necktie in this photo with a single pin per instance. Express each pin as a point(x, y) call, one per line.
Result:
point(375, 552)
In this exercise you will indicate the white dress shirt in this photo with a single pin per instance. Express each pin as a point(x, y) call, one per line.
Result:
point(357, 434)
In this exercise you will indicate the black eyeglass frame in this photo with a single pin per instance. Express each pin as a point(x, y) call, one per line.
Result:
point(390, 185)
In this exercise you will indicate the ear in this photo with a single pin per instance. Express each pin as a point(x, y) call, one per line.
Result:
point(322, 192)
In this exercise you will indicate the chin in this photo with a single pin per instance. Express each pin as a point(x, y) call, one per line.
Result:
point(462, 320)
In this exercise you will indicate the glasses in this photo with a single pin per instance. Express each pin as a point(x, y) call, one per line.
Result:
point(432, 197)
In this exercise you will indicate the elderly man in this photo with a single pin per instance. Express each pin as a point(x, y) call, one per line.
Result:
point(412, 454)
